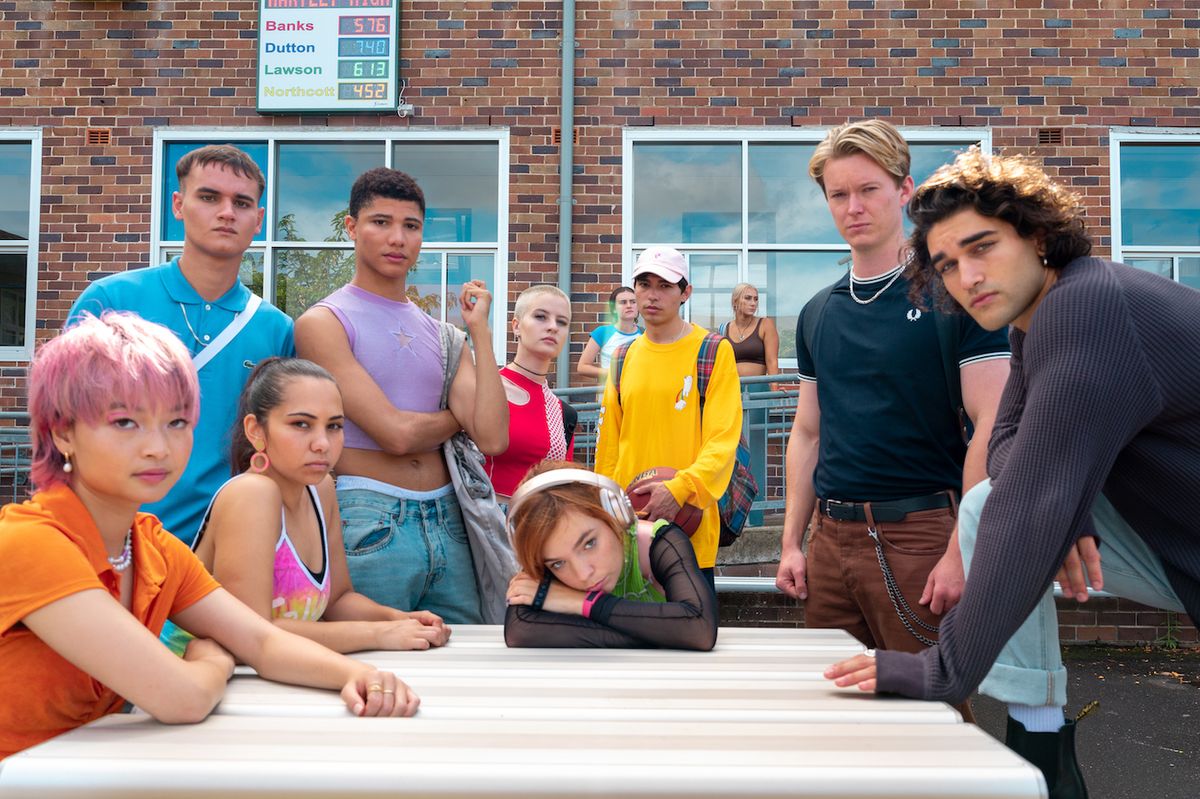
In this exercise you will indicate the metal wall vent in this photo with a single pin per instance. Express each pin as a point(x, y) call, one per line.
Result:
point(556, 136)
point(1050, 136)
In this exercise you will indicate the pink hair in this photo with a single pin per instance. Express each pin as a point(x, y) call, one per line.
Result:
point(118, 359)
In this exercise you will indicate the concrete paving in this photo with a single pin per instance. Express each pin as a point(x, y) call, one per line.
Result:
point(1143, 740)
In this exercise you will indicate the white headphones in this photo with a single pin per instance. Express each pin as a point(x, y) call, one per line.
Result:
point(612, 498)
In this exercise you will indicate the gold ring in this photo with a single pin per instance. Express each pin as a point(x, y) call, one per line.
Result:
point(389, 690)
point(374, 688)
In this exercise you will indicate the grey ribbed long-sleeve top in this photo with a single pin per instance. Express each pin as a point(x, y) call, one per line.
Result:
point(1103, 396)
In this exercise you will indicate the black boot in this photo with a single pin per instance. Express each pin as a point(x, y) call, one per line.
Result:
point(1054, 754)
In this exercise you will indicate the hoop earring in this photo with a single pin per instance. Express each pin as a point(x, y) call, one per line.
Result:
point(259, 462)
point(67, 467)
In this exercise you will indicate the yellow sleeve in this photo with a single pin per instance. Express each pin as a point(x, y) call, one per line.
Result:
point(608, 435)
point(720, 429)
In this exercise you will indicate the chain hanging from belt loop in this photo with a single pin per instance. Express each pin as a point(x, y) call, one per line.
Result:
point(903, 610)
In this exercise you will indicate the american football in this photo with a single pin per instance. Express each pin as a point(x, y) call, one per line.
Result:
point(689, 516)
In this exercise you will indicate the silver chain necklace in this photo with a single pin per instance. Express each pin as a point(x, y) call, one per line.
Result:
point(204, 344)
point(899, 271)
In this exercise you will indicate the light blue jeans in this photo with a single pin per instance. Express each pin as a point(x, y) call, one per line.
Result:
point(1029, 670)
point(408, 549)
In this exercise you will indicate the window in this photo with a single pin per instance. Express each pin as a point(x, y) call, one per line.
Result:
point(741, 207)
point(1156, 201)
point(20, 199)
point(303, 253)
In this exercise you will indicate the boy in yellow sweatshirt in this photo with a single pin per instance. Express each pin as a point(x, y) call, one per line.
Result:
point(656, 419)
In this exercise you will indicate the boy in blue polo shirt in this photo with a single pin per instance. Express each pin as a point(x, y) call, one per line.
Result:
point(199, 298)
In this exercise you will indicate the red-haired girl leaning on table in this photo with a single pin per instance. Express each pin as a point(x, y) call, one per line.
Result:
point(595, 575)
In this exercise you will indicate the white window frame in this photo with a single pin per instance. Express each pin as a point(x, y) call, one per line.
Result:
point(386, 139)
point(29, 246)
point(746, 137)
point(1118, 136)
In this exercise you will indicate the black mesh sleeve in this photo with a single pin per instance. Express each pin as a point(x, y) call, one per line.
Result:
point(687, 620)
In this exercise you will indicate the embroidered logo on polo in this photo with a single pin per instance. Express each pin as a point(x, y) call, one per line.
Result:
point(913, 314)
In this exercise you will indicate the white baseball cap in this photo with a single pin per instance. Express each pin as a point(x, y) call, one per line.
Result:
point(666, 262)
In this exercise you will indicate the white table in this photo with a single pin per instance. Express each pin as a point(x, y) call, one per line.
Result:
point(752, 675)
point(753, 718)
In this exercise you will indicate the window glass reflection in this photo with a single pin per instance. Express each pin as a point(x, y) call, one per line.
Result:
point(250, 273)
point(303, 277)
point(13, 269)
point(461, 183)
point(713, 278)
point(459, 269)
point(787, 280)
point(689, 193)
point(926, 158)
point(786, 205)
point(313, 187)
point(1159, 266)
point(1160, 194)
point(14, 192)
point(424, 284)
point(172, 228)
point(1189, 272)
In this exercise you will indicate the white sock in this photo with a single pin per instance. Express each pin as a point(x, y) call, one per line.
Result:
point(1038, 718)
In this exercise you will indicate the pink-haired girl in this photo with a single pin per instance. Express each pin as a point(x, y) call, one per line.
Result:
point(89, 582)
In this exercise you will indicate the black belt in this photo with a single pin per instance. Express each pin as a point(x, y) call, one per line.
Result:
point(893, 511)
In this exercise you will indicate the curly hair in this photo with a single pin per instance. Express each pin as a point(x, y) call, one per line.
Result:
point(1012, 188)
point(390, 184)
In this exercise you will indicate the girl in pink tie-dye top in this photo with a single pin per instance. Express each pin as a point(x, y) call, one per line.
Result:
point(272, 535)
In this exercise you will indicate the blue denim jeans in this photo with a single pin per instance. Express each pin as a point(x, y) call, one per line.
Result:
point(408, 549)
point(1029, 670)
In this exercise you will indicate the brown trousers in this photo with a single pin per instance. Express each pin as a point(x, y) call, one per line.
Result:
point(846, 588)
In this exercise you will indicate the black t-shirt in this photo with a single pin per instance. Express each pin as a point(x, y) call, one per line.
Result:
point(888, 427)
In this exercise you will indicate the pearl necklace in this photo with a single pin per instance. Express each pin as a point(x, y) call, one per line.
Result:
point(123, 561)
point(899, 271)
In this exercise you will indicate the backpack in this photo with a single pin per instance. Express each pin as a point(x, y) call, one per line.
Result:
point(734, 504)
point(948, 340)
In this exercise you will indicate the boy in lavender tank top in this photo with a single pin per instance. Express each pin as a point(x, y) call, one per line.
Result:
point(402, 527)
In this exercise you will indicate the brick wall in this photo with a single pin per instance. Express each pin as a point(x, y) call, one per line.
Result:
point(1099, 620)
point(137, 66)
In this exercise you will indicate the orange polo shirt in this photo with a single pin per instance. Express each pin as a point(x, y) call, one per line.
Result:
point(49, 549)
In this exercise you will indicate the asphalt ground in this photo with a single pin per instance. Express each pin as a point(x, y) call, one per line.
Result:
point(1143, 739)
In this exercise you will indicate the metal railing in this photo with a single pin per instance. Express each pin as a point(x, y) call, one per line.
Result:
point(15, 455)
point(766, 421)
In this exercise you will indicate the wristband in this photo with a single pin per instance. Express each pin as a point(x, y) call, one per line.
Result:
point(539, 598)
point(589, 600)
